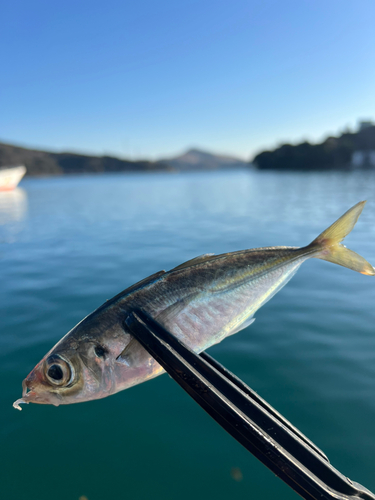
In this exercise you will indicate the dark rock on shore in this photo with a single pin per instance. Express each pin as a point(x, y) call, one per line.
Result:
point(350, 150)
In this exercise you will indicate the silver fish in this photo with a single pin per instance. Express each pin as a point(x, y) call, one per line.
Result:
point(201, 301)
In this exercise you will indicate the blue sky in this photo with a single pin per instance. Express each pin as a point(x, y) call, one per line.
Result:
point(151, 78)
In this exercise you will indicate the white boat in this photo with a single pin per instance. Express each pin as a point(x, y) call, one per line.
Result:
point(10, 177)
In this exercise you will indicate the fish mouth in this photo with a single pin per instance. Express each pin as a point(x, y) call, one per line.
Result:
point(29, 395)
point(26, 393)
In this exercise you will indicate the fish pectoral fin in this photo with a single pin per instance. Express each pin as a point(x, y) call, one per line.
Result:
point(241, 326)
point(176, 308)
point(133, 355)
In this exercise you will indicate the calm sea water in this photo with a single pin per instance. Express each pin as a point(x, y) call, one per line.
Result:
point(68, 244)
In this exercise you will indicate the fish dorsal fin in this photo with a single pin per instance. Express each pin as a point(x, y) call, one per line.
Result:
point(140, 284)
point(143, 282)
point(132, 288)
point(194, 262)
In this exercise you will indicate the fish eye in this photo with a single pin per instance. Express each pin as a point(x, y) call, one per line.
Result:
point(99, 351)
point(55, 373)
point(58, 371)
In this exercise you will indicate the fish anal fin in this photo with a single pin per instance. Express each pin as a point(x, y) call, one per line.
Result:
point(241, 326)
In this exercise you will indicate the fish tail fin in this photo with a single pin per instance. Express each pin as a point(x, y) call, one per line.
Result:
point(328, 246)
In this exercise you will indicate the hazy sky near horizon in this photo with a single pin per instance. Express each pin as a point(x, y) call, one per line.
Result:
point(150, 79)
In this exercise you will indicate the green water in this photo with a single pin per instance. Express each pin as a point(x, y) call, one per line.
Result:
point(68, 244)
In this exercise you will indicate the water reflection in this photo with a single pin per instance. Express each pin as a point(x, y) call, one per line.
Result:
point(310, 351)
point(13, 206)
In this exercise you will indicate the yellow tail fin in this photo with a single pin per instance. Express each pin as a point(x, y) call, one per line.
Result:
point(329, 243)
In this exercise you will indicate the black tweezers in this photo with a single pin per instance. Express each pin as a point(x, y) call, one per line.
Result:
point(247, 417)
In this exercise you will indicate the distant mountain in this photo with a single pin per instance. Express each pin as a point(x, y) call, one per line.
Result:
point(45, 163)
point(194, 159)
